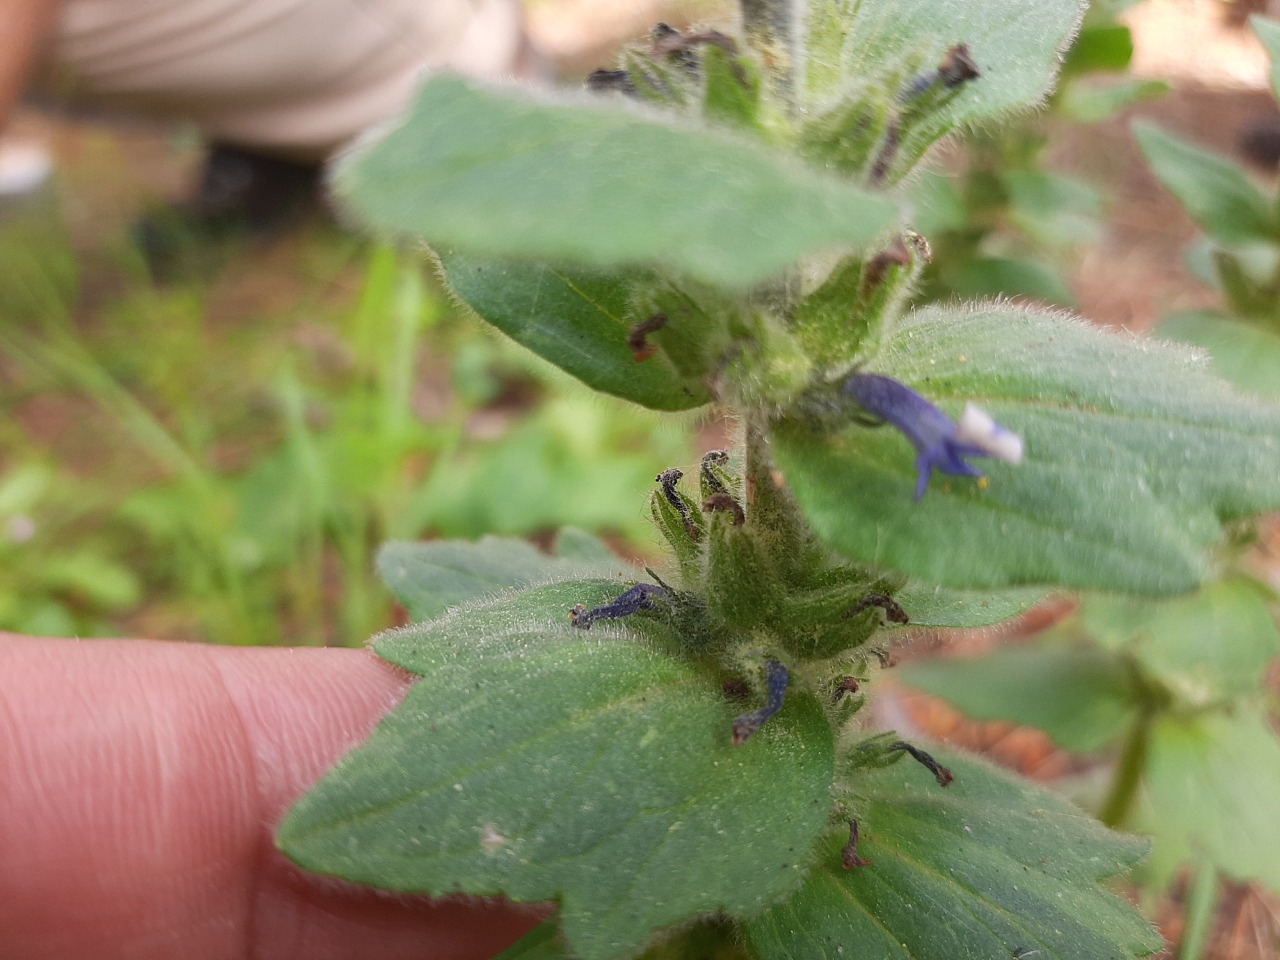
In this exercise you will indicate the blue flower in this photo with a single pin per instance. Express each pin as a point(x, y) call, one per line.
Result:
point(642, 596)
point(940, 442)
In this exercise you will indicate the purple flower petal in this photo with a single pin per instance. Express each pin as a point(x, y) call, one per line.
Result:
point(941, 443)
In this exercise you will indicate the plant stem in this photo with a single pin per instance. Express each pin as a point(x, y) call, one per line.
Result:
point(772, 28)
point(768, 505)
point(1201, 908)
point(1128, 775)
point(779, 526)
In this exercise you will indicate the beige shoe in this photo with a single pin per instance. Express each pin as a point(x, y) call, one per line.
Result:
point(25, 166)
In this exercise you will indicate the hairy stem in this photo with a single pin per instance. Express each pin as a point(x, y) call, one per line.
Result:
point(770, 509)
point(763, 498)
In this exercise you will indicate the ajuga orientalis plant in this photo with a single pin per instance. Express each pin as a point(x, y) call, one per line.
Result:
point(678, 757)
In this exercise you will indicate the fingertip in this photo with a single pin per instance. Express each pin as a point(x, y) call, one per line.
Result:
point(142, 784)
point(304, 709)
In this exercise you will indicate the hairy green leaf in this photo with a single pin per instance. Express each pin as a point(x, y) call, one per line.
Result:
point(544, 762)
point(1213, 190)
point(598, 182)
point(1134, 457)
point(1211, 781)
point(1247, 355)
point(578, 319)
point(1010, 277)
point(1082, 698)
point(1096, 102)
point(428, 578)
point(573, 544)
point(731, 88)
point(932, 606)
point(988, 868)
point(1105, 46)
point(1053, 209)
point(1245, 275)
point(1207, 647)
point(1017, 45)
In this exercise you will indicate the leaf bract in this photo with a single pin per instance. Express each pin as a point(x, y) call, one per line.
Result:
point(932, 606)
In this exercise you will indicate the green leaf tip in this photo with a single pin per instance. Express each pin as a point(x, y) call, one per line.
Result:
point(503, 174)
point(541, 943)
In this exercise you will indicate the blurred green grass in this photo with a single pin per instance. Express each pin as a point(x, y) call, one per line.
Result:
point(218, 457)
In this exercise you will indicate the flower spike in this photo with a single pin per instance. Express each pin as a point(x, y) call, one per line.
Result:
point(940, 442)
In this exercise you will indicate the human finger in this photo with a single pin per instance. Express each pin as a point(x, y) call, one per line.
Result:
point(140, 785)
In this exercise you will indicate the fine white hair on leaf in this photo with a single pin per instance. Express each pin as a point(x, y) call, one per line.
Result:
point(978, 428)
